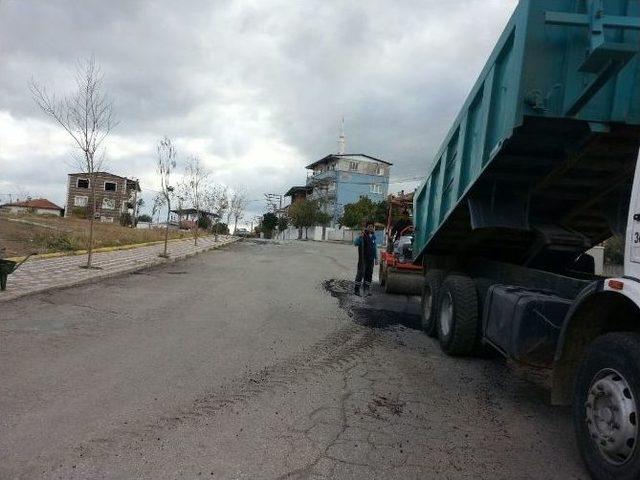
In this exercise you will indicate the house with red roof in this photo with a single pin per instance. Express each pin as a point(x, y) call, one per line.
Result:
point(39, 206)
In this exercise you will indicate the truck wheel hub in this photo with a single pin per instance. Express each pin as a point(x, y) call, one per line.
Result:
point(428, 301)
point(611, 416)
point(446, 314)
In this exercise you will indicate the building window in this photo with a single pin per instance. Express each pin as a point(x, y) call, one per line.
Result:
point(110, 186)
point(108, 204)
point(82, 183)
point(353, 166)
point(378, 169)
point(375, 188)
point(79, 201)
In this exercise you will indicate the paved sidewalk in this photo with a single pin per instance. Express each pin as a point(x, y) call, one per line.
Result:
point(46, 274)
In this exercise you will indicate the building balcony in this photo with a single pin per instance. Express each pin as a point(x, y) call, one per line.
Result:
point(323, 195)
point(322, 177)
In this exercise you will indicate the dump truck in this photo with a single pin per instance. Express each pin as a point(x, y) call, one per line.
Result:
point(540, 165)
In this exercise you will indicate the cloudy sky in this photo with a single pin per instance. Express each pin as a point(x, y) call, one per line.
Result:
point(255, 88)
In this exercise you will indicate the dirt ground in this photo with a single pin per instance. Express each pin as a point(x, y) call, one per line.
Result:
point(257, 362)
point(24, 234)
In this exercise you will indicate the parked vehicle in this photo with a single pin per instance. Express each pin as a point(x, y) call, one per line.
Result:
point(539, 166)
point(241, 232)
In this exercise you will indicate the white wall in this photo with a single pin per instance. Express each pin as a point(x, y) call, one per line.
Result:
point(315, 233)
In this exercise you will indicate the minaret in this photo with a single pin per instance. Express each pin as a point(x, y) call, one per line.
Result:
point(342, 140)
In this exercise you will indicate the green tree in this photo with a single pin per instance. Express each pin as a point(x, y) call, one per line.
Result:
point(144, 218)
point(269, 223)
point(204, 222)
point(355, 214)
point(220, 228)
point(302, 214)
point(283, 224)
point(323, 219)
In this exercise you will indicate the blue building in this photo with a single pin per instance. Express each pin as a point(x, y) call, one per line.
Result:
point(340, 179)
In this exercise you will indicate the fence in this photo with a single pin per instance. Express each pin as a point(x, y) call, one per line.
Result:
point(325, 234)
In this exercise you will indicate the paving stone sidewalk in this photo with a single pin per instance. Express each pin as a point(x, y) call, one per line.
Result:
point(45, 274)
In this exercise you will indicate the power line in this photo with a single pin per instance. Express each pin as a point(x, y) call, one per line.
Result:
point(273, 200)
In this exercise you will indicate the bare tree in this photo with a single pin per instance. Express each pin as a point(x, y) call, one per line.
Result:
point(222, 203)
point(87, 116)
point(157, 206)
point(195, 186)
point(165, 164)
point(217, 201)
point(237, 206)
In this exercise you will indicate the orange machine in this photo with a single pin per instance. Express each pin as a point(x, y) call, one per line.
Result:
point(398, 274)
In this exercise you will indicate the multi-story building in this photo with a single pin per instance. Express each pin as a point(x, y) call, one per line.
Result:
point(340, 179)
point(114, 195)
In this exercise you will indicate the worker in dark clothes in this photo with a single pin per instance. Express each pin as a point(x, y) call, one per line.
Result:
point(367, 257)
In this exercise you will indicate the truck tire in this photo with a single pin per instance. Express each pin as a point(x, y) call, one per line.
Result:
point(430, 301)
point(458, 316)
point(605, 407)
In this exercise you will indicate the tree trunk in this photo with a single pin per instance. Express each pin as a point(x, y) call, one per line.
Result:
point(90, 246)
point(91, 219)
point(235, 226)
point(195, 233)
point(166, 230)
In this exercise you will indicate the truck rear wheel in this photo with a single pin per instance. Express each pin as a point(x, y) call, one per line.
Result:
point(430, 301)
point(605, 407)
point(458, 315)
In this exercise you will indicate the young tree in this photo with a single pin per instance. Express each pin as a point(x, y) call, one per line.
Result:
point(165, 164)
point(222, 203)
point(237, 206)
point(323, 219)
point(87, 116)
point(157, 206)
point(216, 201)
point(269, 223)
point(303, 215)
point(195, 187)
point(137, 206)
point(283, 224)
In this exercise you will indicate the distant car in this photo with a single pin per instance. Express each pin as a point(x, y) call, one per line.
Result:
point(241, 232)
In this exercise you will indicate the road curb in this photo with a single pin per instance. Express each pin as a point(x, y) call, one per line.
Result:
point(157, 261)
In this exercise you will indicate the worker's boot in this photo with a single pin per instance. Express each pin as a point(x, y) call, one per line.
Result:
point(356, 290)
point(365, 291)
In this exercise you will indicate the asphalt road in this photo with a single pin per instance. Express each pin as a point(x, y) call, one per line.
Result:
point(256, 362)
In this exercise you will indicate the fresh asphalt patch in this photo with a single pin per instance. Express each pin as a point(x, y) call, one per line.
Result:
point(379, 310)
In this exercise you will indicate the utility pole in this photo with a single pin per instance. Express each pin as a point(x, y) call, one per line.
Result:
point(273, 200)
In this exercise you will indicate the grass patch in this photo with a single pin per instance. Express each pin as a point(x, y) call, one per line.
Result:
point(57, 234)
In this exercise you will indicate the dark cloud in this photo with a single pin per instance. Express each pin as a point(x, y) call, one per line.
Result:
point(233, 76)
